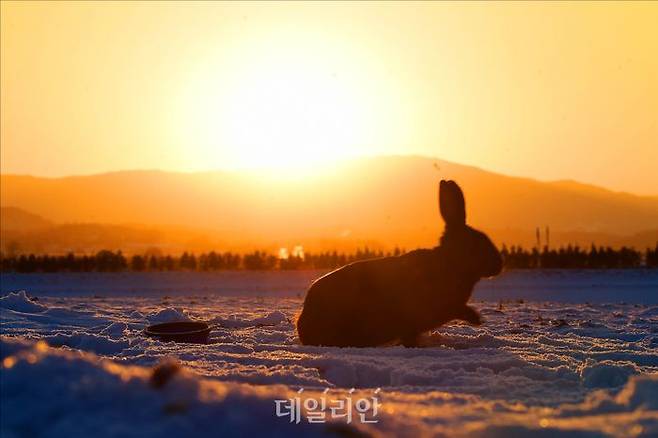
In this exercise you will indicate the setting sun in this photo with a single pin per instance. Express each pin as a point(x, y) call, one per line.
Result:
point(283, 108)
point(290, 114)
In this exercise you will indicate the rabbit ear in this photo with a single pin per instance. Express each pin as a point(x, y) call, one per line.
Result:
point(451, 203)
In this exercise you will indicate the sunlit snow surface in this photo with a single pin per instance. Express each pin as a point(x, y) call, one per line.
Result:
point(584, 366)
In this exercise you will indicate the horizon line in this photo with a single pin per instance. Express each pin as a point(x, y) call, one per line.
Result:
point(248, 170)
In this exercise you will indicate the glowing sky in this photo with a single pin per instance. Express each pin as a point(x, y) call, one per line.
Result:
point(551, 91)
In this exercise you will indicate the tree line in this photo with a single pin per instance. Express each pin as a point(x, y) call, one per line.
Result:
point(515, 257)
point(574, 257)
point(116, 261)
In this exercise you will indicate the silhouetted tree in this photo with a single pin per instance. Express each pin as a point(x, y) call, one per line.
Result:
point(137, 263)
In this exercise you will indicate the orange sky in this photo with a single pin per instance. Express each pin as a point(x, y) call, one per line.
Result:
point(552, 91)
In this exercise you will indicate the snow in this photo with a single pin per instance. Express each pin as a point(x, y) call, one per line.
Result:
point(607, 373)
point(168, 314)
point(105, 399)
point(20, 302)
point(587, 366)
point(235, 321)
point(92, 397)
point(576, 286)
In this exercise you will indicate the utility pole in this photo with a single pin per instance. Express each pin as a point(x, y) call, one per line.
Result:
point(538, 237)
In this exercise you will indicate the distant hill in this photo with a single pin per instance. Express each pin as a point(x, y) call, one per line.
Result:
point(382, 202)
point(16, 219)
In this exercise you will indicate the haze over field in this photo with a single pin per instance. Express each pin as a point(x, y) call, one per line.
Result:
point(380, 202)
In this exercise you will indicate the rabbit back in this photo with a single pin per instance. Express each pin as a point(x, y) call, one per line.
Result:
point(378, 301)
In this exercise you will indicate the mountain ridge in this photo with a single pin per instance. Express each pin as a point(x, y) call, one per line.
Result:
point(387, 201)
point(565, 183)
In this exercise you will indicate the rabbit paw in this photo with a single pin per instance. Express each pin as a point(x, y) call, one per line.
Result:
point(470, 315)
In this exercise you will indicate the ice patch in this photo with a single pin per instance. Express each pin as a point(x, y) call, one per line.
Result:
point(20, 302)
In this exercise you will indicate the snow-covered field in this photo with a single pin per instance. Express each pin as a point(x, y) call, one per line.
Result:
point(562, 352)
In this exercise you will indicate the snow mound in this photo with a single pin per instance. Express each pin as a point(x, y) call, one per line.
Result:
point(103, 398)
point(115, 330)
point(87, 342)
point(640, 392)
point(20, 302)
point(48, 392)
point(651, 312)
point(273, 318)
point(136, 314)
point(607, 374)
point(169, 314)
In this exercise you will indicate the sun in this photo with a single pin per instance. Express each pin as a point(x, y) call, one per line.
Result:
point(290, 116)
point(280, 110)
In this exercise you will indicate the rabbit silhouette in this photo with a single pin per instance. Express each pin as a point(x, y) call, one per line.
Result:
point(396, 299)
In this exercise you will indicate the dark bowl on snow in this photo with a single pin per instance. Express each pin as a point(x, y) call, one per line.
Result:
point(184, 331)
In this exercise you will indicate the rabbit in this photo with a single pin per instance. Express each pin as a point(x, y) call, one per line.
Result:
point(396, 299)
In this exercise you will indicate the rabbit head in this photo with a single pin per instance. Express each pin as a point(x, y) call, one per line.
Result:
point(472, 251)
